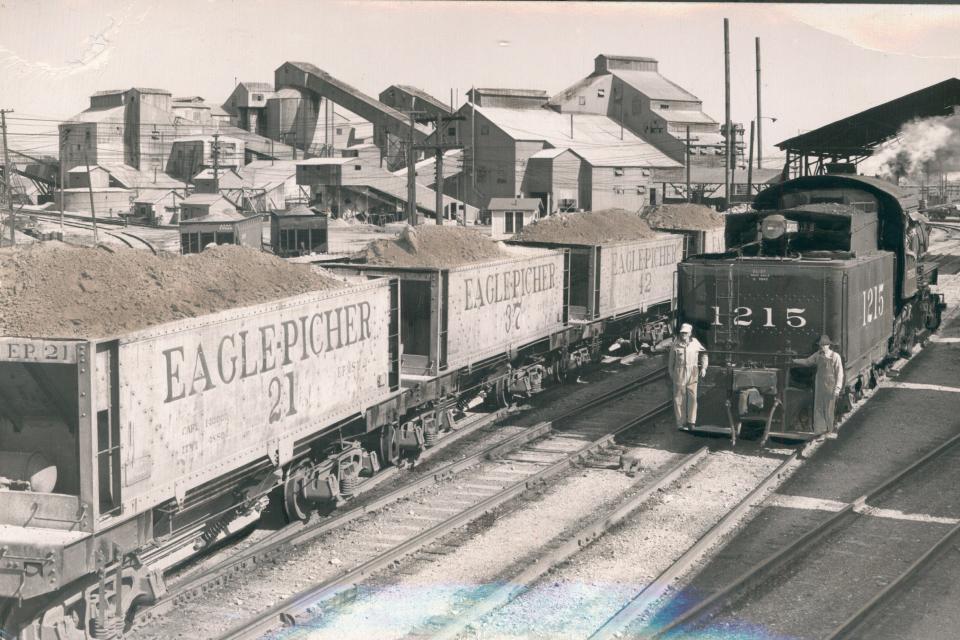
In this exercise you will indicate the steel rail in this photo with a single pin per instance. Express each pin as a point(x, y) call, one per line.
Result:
point(847, 628)
point(297, 608)
point(656, 589)
point(760, 572)
point(573, 544)
point(297, 533)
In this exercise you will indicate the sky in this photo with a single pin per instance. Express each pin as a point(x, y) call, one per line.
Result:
point(819, 62)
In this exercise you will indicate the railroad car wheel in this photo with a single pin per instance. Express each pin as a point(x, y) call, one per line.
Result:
point(293, 505)
point(559, 368)
point(390, 445)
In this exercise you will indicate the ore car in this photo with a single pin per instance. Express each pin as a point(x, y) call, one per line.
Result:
point(123, 455)
point(839, 255)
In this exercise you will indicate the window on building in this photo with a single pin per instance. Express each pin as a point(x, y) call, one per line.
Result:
point(636, 106)
point(258, 96)
point(508, 221)
point(339, 131)
point(601, 92)
point(618, 171)
point(484, 130)
point(582, 100)
point(481, 174)
point(664, 106)
point(518, 221)
point(357, 167)
point(501, 177)
point(452, 131)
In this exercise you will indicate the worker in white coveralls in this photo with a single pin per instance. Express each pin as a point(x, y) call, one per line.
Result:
point(827, 386)
point(687, 363)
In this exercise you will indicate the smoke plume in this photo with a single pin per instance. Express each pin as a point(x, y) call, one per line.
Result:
point(923, 147)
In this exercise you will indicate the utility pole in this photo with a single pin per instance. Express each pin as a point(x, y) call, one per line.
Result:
point(93, 210)
point(6, 176)
point(750, 164)
point(726, 120)
point(438, 149)
point(759, 114)
point(411, 175)
point(63, 145)
point(687, 163)
point(215, 150)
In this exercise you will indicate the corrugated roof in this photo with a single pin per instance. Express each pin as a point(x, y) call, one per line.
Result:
point(216, 216)
point(150, 90)
point(152, 196)
point(204, 198)
point(188, 99)
point(597, 139)
point(321, 161)
point(261, 173)
point(613, 56)
point(653, 85)
point(258, 86)
point(113, 114)
point(862, 133)
point(423, 95)
point(106, 92)
point(550, 153)
point(524, 204)
point(301, 211)
point(685, 116)
point(513, 93)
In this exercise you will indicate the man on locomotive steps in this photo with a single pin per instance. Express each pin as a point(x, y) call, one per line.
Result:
point(686, 363)
point(827, 386)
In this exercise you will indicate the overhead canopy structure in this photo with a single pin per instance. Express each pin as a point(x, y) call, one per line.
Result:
point(841, 145)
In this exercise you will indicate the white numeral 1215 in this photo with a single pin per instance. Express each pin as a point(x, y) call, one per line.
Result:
point(872, 304)
point(743, 317)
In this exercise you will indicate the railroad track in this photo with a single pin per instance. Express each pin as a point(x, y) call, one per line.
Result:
point(124, 237)
point(886, 558)
point(533, 458)
point(195, 585)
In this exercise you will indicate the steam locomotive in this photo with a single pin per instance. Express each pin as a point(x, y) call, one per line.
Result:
point(840, 255)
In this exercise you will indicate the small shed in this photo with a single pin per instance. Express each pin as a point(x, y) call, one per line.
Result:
point(508, 215)
point(155, 206)
point(199, 205)
point(298, 231)
point(220, 227)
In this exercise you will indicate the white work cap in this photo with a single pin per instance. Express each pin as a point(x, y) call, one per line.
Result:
point(686, 328)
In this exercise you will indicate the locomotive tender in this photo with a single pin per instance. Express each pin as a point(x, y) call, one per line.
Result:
point(130, 453)
point(836, 254)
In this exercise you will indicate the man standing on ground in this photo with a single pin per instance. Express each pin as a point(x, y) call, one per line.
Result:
point(827, 386)
point(687, 363)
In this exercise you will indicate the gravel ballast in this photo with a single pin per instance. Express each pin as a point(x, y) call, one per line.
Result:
point(579, 597)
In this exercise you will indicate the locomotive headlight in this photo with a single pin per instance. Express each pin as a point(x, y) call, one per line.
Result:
point(773, 227)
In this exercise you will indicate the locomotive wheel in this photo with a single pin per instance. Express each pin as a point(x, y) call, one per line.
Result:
point(559, 368)
point(390, 445)
point(293, 506)
point(503, 394)
point(635, 340)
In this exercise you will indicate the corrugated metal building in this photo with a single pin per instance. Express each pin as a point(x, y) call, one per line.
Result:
point(508, 98)
point(220, 227)
point(608, 165)
point(631, 90)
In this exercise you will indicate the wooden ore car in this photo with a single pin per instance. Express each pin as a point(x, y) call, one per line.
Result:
point(621, 291)
point(835, 255)
point(163, 440)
